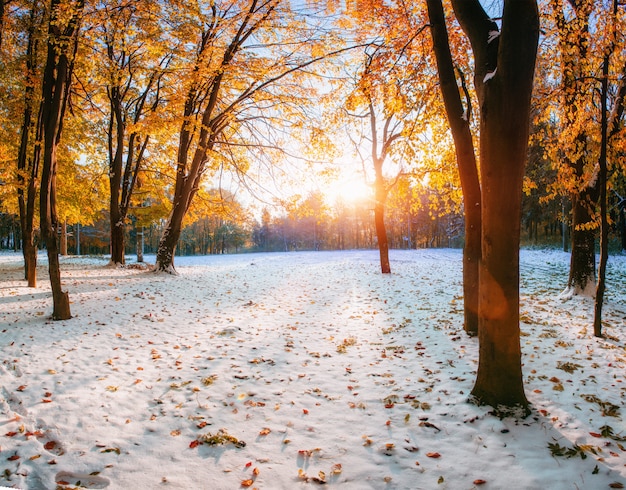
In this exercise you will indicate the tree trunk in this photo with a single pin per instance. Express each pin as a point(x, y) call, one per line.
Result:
point(62, 45)
point(169, 240)
point(582, 271)
point(381, 231)
point(458, 119)
point(602, 182)
point(28, 168)
point(63, 250)
point(504, 93)
point(139, 245)
point(118, 242)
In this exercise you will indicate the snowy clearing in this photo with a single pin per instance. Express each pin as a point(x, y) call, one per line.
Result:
point(292, 370)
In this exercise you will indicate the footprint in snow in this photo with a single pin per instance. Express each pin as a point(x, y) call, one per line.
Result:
point(82, 480)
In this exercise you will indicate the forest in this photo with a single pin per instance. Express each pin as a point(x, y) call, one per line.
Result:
point(176, 129)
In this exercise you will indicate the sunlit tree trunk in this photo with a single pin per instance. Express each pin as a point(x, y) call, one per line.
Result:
point(379, 222)
point(504, 90)
point(458, 118)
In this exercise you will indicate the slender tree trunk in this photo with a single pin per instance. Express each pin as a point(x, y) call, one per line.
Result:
point(602, 178)
point(28, 168)
point(140, 245)
point(504, 93)
point(458, 119)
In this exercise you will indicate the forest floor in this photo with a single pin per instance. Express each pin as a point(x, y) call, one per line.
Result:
point(294, 370)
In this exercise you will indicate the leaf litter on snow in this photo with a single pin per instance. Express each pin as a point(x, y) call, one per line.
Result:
point(329, 371)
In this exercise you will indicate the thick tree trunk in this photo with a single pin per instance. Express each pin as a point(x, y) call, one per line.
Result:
point(62, 45)
point(169, 239)
point(504, 92)
point(49, 227)
point(582, 271)
point(118, 242)
point(381, 231)
point(458, 119)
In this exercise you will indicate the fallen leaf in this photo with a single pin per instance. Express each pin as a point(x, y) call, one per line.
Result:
point(49, 445)
point(616, 484)
point(433, 455)
point(10, 434)
point(255, 471)
point(595, 434)
point(15, 457)
point(265, 431)
point(21, 388)
point(248, 464)
point(479, 482)
point(247, 483)
point(194, 444)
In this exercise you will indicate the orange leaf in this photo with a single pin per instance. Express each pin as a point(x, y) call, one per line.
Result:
point(248, 464)
point(247, 483)
point(49, 445)
point(479, 482)
point(15, 457)
point(194, 444)
point(63, 482)
point(10, 434)
point(305, 411)
point(255, 471)
point(595, 434)
point(265, 431)
point(616, 484)
point(45, 400)
point(433, 455)
point(21, 388)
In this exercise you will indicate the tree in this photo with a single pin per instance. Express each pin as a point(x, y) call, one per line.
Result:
point(608, 127)
point(572, 22)
point(63, 28)
point(29, 154)
point(134, 69)
point(459, 121)
point(504, 61)
point(249, 63)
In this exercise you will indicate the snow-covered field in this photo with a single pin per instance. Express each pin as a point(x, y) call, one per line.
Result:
point(284, 371)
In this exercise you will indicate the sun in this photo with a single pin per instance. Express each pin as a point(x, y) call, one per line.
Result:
point(351, 190)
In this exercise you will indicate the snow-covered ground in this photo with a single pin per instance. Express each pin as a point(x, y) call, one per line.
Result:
point(284, 371)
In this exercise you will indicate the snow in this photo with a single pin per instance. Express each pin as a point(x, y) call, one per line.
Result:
point(493, 35)
point(326, 369)
point(490, 75)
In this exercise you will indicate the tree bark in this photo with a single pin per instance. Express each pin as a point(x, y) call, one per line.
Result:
point(458, 119)
point(62, 45)
point(504, 92)
point(582, 270)
point(379, 221)
point(28, 168)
